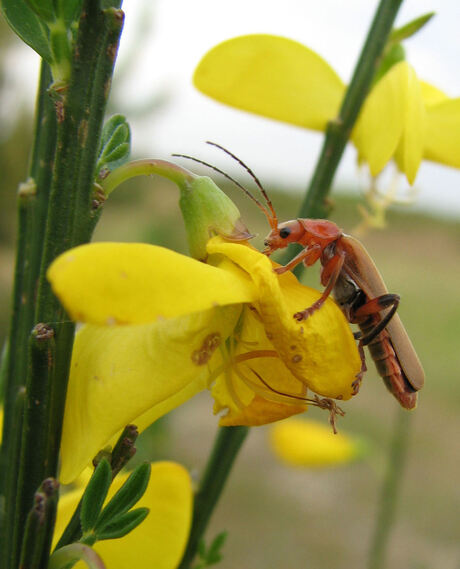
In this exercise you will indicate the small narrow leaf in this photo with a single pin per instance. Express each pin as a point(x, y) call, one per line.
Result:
point(122, 524)
point(411, 28)
point(217, 544)
point(115, 143)
point(131, 491)
point(94, 495)
point(27, 25)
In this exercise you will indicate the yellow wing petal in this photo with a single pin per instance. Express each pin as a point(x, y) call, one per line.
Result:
point(135, 283)
point(409, 153)
point(274, 77)
point(442, 139)
point(380, 124)
point(159, 541)
point(134, 374)
point(431, 95)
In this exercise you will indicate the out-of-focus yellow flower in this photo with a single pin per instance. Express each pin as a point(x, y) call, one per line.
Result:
point(299, 442)
point(161, 327)
point(403, 118)
point(159, 541)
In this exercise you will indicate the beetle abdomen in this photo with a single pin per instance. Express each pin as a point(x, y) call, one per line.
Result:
point(390, 370)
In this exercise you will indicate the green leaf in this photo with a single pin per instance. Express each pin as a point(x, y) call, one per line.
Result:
point(43, 8)
point(409, 29)
point(122, 524)
point(212, 555)
point(115, 144)
point(27, 25)
point(131, 491)
point(94, 495)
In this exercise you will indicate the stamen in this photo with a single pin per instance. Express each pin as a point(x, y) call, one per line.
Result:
point(323, 403)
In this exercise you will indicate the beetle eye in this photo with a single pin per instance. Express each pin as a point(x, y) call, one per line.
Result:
point(285, 232)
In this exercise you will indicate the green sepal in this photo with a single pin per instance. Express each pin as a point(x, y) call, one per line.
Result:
point(95, 494)
point(115, 144)
point(120, 525)
point(411, 28)
point(208, 211)
point(27, 25)
point(68, 10)
point(393, 55)
point(131, 491)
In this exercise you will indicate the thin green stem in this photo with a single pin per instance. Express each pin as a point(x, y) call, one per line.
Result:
point(173, 172)
point(339, 130)
point(390, 490)
point(226, 447)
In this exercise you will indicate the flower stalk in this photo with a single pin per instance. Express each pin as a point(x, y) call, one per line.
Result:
point(227, 445)
point(390, 490)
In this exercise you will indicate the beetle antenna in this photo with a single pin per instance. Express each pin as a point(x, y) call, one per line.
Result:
point(274, 218)
point(245, 190)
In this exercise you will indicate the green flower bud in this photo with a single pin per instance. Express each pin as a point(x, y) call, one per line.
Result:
point(207, 211)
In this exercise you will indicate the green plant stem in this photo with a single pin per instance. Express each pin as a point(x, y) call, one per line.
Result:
point(390, 490)
point(226, 447)
point(32, 210)
point(173, 172)
point(70, 220)
point(339, 130)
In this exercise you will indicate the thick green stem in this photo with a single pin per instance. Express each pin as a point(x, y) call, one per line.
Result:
point(70, 220)
point(390, 490)
point(224, 453)
point(32, 211)
point(338, 131)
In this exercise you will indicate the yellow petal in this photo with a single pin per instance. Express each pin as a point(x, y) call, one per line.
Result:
point(159, 541)
point(321, 351)
point(431, 95)
point(300, 442)
point(380, 124)
point(134, 374)
point(409, 153)
point(135, 283)
point(274, 77)
point(442, 140)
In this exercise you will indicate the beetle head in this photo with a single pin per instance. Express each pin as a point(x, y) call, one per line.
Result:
point(283, 234)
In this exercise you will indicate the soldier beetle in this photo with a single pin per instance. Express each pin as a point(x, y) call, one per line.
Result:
point(349, 273)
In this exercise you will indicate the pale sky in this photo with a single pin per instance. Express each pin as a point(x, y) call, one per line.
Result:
point(178, 32)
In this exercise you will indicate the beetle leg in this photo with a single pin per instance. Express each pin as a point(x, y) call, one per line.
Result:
point(356, 384)
point(375, 306)
point(332, 271)
point(309, 256)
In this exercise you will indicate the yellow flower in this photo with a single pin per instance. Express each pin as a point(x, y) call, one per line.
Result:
point(161, 327)
point(403, 118)
point(299, 442)
point(159, 541)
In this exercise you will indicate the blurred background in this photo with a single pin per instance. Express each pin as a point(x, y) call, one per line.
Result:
point(278, 517)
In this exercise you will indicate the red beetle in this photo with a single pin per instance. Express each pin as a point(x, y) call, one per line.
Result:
point(349, 272)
